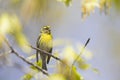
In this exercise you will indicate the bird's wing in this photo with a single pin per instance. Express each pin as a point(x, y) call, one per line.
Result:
point(48, 59)
point(37, 44)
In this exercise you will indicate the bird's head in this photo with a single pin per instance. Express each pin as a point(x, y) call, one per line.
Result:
point(45, 29)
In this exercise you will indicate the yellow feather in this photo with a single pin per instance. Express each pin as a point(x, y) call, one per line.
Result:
point(46, 40)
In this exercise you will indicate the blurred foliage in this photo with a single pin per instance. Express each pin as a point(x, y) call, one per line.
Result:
point(116, 4)
point(66, 2)
point(16, 2)
point(70, 55)
point(39, 63)
point(105, 5)
point(30, 74)
point(76, 75)
point(57, 77)
point(5, 60)
point(96, 70)
point(31, 8)
point(88, 6)
point(64, 71)
point(10, 24)
point(27, 76)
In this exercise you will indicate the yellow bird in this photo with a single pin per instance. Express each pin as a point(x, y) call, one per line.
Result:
point(44, 42)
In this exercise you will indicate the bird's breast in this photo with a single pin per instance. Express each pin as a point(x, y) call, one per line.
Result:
point(45, 41)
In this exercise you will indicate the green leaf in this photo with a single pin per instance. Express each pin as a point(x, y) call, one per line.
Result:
point(57, 77)
point(32, 72)
point(66, 2)
point(27, 77)
point(82, 63)
point(75, 75)
point(96, 70)
point(84, 66)
point(39, 63)
point(105, 5)
point(32, 57)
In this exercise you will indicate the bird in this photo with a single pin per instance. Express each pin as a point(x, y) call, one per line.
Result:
point(45, 43)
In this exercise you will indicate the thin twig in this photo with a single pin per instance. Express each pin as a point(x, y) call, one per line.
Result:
point(47, 53)
point(21, 57)
point(82, 50)
point(30, 63)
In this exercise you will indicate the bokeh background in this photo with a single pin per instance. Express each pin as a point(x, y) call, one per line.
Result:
point(67, 24)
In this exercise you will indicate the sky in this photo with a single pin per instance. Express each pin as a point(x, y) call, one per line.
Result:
point(104, 44)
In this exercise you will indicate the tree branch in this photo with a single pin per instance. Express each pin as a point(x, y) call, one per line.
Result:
point(82, 50)
point(47, 53)
point(21, 57)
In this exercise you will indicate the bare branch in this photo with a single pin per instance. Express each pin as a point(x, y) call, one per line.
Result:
point(47, 53)
point(21, 57)
point(6, 41)
point(82, 50)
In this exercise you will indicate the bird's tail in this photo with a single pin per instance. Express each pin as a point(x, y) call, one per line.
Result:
point(44, 66)
point(48, 59)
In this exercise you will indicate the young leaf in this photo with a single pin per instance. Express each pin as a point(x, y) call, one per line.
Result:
point(66, 2)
